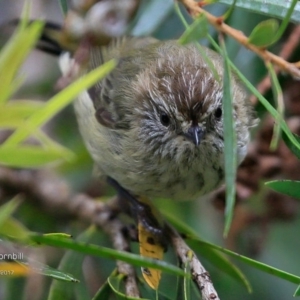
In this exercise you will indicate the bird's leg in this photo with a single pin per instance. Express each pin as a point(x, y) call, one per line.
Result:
point(143, 213)
point(151, 234)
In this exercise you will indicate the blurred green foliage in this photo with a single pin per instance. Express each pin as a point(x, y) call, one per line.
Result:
point(156, 18)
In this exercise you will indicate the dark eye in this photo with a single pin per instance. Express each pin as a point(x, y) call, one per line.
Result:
point(218, 113)
point(164, 119)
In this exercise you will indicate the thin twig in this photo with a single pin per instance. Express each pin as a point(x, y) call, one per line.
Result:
point(114, 228)
point(195, 9)
point(200, 276)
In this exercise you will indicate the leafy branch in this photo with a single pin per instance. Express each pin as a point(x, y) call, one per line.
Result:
point(195, 9)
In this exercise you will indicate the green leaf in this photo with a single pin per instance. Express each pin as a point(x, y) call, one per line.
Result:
point(295, 150)
point(255, 264)
point(278, 118)
point(45, 270)
point(197, 30)
point(24, 268)
point(14, 229)
point(53, 146)
point(28, 156)
point(71, 263)
point(229, 12)
point(59, 234)
point(114, 282)
point(278, 98)
point(287, 187)
point(294, 143)
point(103, 293)
point(297, 292)
point(286, 20)
point(8, 208)
point(222, 263)
point(104, 252)
point(271, 8)
point(215, 258)
point(192, 235)
point(229, 143)
point(11, 57)
point(264, 34)
point(13, 113)
point(58, 102)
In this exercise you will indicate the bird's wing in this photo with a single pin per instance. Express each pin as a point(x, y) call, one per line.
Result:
point(108, 94)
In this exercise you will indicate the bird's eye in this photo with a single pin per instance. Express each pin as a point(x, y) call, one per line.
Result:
point(218, 113)
point(164, 119)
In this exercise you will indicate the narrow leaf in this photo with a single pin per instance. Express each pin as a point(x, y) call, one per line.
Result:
point(278, 98)
point(71, 263)
point(58, 234)
point(114, 282)
point(13, 113)
point(12, 228)
point(103, 293)
point(286, 20)
point(52, 146)
point(289, 135)
point(104, 252)
point(197, 30)
point(256, 264)
point(297, 292)
point(58, 102)
point(45, 270)
point(229, 12)
point(229, 143)
point(28, 156)
point(263, 35)
point(11, 57)
point(295, 150)
point(19, 267)
point(215, 258)
point(8, 208)
point(287, 187)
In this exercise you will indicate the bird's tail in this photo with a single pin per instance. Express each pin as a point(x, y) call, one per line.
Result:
point(52, 40)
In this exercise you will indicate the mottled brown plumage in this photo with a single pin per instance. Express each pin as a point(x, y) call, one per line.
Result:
point(155, 123)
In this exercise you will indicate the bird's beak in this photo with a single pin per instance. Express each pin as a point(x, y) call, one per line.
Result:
point(195, 133)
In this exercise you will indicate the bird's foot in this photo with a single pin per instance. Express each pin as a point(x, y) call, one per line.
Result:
point(145, 215)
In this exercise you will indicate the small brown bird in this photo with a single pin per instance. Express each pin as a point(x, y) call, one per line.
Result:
point(155, 123)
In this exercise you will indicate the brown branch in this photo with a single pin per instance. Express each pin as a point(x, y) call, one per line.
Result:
point(200, 276)
point(54, 196)
point(195, 9)
point(114, 228)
